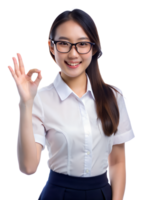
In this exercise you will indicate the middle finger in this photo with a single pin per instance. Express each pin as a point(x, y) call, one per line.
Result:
point(21, 65)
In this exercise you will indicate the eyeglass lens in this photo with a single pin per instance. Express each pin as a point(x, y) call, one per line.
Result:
point(82, 47)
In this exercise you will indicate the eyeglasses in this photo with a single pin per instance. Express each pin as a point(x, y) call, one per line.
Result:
point(65, 47)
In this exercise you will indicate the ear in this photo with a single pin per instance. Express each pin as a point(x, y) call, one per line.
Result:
point(51, 47)
point(94, 51)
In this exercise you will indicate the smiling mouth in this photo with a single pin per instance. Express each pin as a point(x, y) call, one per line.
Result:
point(73, 63)
point(73, 66)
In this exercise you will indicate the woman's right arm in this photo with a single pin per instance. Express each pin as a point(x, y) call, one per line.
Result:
point(26, 89)
point(26, 146)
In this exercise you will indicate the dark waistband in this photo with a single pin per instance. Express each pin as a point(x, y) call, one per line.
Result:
point(83, 183)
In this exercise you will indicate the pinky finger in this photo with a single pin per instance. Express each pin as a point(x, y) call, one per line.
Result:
point(9, 68)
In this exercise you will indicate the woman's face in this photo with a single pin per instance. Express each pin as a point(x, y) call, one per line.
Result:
point(73, 31)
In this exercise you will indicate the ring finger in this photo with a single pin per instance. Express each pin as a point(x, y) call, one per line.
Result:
point(17, 72)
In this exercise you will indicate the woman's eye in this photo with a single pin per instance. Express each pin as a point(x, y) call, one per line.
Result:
point(63, 43)
point(82, 43)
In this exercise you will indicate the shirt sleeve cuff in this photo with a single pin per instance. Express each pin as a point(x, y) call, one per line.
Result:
point(40, 139)
point(124, 137)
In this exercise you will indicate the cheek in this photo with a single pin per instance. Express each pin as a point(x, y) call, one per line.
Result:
point(60, 57)
point(88, 58)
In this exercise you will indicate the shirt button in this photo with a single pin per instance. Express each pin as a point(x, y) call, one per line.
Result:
point(87, 171)
point(88, 152)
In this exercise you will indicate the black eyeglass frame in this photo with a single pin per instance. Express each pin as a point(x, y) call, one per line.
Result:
point(55, 42)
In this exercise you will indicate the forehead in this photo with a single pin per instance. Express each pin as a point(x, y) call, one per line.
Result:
point(71, 30)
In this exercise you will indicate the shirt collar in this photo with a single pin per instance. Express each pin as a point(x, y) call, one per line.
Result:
point(64, 90)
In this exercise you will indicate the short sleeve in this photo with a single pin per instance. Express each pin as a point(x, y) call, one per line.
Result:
point(124, 132)
point(38, 121)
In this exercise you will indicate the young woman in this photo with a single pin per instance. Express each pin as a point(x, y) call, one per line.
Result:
point(82, 120)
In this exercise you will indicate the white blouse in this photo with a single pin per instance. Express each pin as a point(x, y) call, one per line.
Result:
point(68, 126)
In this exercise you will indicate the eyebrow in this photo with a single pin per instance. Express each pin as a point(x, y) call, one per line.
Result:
point(82, 38)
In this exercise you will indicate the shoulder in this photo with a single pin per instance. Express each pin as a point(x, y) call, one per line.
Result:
point(117, 92)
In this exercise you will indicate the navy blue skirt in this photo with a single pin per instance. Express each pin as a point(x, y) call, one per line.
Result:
point(64, 187)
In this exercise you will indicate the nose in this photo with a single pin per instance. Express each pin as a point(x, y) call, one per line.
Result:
point(73, 51)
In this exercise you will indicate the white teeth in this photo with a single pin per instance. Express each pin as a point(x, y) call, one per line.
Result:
point(73, 64)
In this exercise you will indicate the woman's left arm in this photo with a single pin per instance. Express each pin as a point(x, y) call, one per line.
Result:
point(117, 171)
